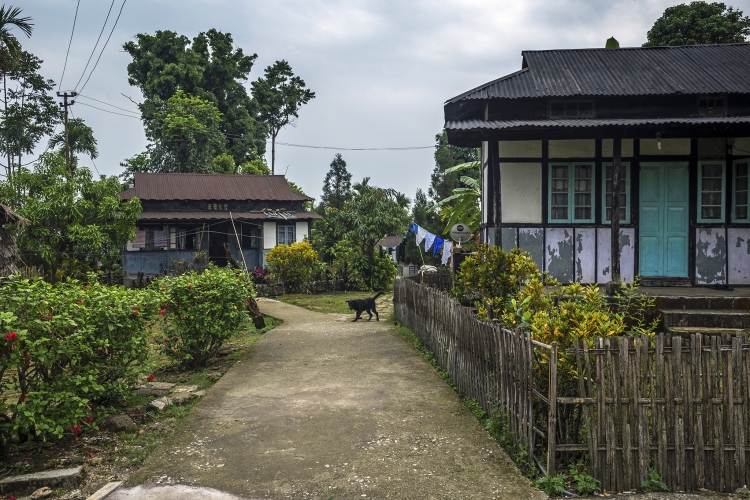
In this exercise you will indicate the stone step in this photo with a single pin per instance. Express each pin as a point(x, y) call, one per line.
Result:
point(686, 331)
point(706, 318)
point(705, 302)
point(28, 483)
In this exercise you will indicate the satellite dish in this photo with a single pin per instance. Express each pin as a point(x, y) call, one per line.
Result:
point(460, 232)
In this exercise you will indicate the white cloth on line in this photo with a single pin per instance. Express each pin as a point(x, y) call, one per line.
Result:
point(421, 233)
point(447, 246)
point(429, 239)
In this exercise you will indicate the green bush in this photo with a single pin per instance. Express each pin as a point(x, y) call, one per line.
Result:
point(375, 276)
point(586, 484)
point(201, 311)
point(294, 264)
point(63, 347)
point(554, 486)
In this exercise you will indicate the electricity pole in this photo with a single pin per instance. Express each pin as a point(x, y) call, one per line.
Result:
point(64, 105)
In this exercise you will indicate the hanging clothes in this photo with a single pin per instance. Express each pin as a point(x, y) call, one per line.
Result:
point(428, 241)
point(438, 245)
point(421, 234)
point(447, 247)
point(413, 228)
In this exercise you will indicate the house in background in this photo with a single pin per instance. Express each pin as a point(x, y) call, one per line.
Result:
point(185, 213)
point(675, 121)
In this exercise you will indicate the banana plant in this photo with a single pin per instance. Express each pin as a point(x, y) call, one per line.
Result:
point(463, 204)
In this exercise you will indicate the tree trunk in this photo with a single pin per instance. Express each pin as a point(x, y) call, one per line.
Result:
point(273, 153)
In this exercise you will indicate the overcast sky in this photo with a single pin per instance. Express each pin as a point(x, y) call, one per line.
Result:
point(381, 69)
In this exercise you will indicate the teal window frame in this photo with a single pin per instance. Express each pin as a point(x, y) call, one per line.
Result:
point(571, 193)
point(734, 191)
point(699, 215)
point(626, 169)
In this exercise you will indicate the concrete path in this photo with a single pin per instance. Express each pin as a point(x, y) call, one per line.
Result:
point(323, 408)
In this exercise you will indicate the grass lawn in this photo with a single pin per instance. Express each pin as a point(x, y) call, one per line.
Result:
point(332, 302)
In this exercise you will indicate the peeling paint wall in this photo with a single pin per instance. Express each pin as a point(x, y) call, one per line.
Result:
point(509, 238)
point(627, 255)
point(710, 256)
point(585, 255)
point(559, 254)
point(738, 248)
point(532, 240)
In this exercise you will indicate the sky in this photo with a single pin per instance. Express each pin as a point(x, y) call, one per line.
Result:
point(381, 69)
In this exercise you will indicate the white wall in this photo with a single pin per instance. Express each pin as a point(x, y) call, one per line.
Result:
point(269, 235)
point(302, 231)
point(521, 192)
point(520, 149)
point(576, 148)
point(741, 144)
point(668, 147)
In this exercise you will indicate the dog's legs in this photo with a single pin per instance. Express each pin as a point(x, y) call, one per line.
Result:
point(368, 312)
point(357, 316)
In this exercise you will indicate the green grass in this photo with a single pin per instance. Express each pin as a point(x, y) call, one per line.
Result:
point(332, 302)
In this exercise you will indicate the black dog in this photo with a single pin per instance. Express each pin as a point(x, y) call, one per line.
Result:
point(362, 305)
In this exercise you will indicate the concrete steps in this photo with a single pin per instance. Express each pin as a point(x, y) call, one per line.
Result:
point(699, 303)
point(700, 319)
point(686, 331)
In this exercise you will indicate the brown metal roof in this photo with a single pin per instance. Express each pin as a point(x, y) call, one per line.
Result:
point(152, 186)
point(146, 216)
point(474, 124)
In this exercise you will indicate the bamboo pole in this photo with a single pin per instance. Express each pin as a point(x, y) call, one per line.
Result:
point(239, 245)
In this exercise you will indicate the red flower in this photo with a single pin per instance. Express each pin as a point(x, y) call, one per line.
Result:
point(162, 312)
point(135, 311)
point(150, 378)
point(166, 341)
point(76, 429)
point(88, 420)
point(79, 302)
point(10, 337)
point(163, 289)
point(247, 301)
point(22, 399)
point(190, 286)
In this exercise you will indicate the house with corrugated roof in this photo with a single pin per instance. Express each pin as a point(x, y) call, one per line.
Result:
point(223, 215)
point(666, 128)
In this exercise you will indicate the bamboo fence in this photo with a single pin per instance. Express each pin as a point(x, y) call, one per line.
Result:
point(675, 404)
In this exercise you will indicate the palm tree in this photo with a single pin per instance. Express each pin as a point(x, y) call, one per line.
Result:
point(463, 204)
point(10, 48)
point(81, 138)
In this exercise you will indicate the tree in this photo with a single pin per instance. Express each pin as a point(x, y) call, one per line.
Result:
point(80, 137)
point(76, 223)
point(224, 164)
point(10, 48)
point(138, 163)
point(447, 156)
point(699, 23)
point(337, 185)
point(306, 206)
point(424, 212)
point(256, 166)
point(371, 214)
point(185, 134)
point(463, 204)
point(209, 67)
point(279, 96)
point(29, 112)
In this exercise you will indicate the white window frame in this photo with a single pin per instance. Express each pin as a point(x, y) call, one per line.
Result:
point(699, 215)
point(736, 219)
point(626, 180)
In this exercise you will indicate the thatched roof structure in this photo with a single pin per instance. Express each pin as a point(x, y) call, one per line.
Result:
point(8, 250)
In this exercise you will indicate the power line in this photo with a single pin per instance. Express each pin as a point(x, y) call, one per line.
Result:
point(93, 51)
point(69, 43)
point(105, 44)
point(108, 104)
point(108, 111)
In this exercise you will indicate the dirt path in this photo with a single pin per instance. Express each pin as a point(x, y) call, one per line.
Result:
point(323, 408)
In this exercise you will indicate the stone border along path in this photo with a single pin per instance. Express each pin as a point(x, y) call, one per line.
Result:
point(323, 408)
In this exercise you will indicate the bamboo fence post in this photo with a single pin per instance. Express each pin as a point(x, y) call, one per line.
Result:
point(552, 412)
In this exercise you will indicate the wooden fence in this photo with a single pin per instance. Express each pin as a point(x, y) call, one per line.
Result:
point(442, 279)
point(677, 404)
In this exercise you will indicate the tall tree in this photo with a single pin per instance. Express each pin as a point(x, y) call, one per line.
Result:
point(185, 134)
point(442, 183)
point(699, 23)
point(76, 223)
point(29, 111)
point(10, 48)
point(337, 185)
point(209, 67)
point(424, 212)
point(80, 138)
point(279, 95)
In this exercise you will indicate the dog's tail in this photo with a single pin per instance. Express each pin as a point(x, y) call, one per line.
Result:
point(377, 295)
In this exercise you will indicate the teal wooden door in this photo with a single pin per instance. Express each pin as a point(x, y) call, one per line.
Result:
point(663, 221)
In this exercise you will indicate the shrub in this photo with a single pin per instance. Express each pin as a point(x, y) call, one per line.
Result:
point(375, 276)
point(293, 264)
point(201, 311)
point(63, 347)
point(552, 485)
point(585, 483)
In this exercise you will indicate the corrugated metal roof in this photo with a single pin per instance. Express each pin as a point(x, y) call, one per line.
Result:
point(590, 123)
point(153, 186)
point(691, 69)
point(224, 216)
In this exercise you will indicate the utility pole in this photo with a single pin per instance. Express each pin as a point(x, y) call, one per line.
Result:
point(64, 105)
